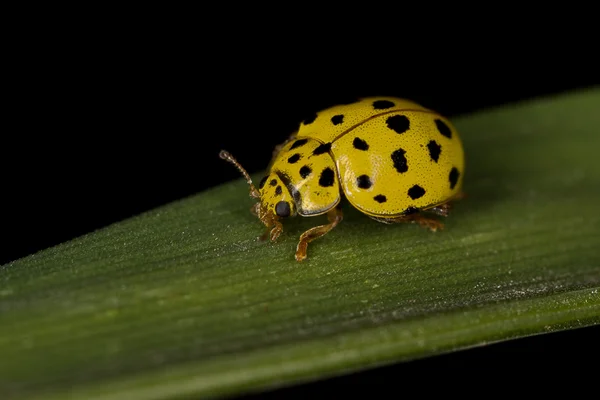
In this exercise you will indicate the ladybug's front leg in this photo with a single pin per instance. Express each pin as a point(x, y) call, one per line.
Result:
point(334, 216)
point(272, 232)
point(274, 227)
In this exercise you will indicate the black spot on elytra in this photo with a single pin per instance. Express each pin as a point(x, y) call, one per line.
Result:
point(380, 198)
point(399, 160)
point(364, 182)
point(282, 209)
point(305, 171)
point(434, 150)
point(298, 143)
point(278, 190)
point(310, 119)
point(416, 192)
point(324, 148)
point(262, 182)
point(398, 123)
point(411, 210)
point(337, 119)
point(326, 178)
point(443, 128)
point(383, 104)
point(360, 144)
point(453, 177)
point(273, 182)
point(294, 159)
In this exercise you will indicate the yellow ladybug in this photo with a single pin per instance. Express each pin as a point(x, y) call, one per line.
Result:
point(393, 159)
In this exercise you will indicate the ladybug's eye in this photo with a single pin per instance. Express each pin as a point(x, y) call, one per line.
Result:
point(282, 209)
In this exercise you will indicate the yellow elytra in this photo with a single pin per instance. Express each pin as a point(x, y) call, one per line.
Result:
point(393, 159)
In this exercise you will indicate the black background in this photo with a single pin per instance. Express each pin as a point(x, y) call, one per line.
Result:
point(119, 118)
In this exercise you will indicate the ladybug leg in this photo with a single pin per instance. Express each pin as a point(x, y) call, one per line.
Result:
point(274, 227)
point(334, 216)
point(426, 222)
point(272, 232)
point(460, 195)
point(443, 210)
point(429, 223)
point(276, 230)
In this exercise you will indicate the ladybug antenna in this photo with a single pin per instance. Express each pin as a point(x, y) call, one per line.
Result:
point(225, 155)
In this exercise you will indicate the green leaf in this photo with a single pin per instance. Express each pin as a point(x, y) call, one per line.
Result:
point(184, 300)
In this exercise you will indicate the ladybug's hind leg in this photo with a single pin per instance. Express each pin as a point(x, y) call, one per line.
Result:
point(334, 216)
point(420, 216)
point(443, 210)
point(430, 223)
point(415, 217)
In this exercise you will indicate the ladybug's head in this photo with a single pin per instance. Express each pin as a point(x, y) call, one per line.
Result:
point(275, 200)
